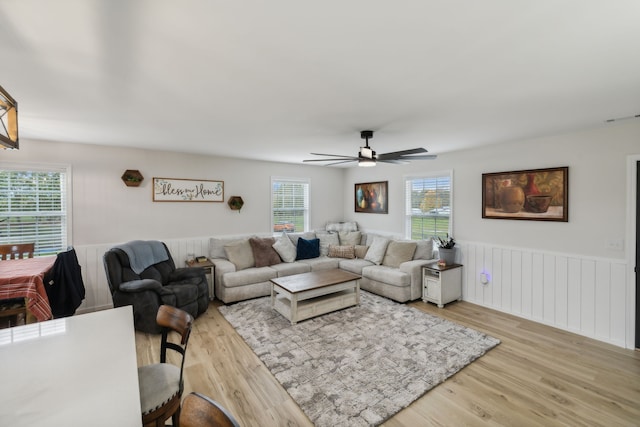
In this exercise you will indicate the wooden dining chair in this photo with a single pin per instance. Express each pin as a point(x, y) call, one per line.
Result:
point(161, 384)
point(201, 411)
point(14, 311)
point(17, 251)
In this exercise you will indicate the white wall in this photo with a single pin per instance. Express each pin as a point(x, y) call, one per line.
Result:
point(107, 211)
point(597, 190)
point(561, 274)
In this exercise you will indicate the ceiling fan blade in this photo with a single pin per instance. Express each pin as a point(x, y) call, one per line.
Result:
point(340, 162)
point(394, 161)
point(334, 155)
point(423, 157)
point(396, 154)
point(350, 159)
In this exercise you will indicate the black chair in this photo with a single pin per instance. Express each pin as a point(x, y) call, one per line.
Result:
point(152, 281)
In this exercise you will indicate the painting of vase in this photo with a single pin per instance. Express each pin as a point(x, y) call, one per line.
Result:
point(371, 197)
point(537, 194)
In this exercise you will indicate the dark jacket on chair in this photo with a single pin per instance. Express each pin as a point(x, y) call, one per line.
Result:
point(64, 284)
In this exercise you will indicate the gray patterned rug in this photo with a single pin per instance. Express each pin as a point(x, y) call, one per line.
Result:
point(361, 365)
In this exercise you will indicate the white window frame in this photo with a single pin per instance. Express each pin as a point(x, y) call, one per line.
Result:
point(307, 182)
point(408, 179)
point(67, 234)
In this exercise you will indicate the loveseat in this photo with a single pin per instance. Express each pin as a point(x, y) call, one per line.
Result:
point(389, 266)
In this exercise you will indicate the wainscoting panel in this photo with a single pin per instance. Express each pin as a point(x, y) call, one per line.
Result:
point(585, 295)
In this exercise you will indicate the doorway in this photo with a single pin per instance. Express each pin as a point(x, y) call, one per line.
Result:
point(637, 259)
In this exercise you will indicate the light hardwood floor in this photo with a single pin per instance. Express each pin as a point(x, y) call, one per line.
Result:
point(537, 376)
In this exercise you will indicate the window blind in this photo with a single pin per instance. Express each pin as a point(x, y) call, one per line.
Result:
point(33, 208)
point(289, 204)
point(428, 206)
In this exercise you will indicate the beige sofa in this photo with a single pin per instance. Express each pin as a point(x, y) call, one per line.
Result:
point(389, 266)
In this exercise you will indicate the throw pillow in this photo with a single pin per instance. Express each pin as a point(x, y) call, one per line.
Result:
point(342, 226)
point(376, 251)
point(240, 254)
point(327, 239)
point(361, 251)
point(305, 235)
point(341, 251)
point(350, 237)
point(307, 249)
point(263, 251)
point(424, 250)
point(216, 246)
point(285, 248)
point(398, 252)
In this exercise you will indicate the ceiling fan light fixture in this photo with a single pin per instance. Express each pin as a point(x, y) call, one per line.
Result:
point(367, 157)
point(366, 163)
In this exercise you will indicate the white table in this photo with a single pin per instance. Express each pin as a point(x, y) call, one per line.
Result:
point(73, 371)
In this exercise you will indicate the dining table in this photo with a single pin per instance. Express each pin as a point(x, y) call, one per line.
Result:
point(24, 278)
point(71, 371)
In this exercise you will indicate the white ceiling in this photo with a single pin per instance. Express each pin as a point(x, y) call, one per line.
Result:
point(279, 79)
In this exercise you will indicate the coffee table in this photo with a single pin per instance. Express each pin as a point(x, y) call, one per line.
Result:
point(302, 296)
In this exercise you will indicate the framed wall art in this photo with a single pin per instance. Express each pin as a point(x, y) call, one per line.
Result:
point(187, 190)
point(372, 197)
point(537, 194)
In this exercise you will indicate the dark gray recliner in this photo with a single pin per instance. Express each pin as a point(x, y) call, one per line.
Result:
point(152, 280)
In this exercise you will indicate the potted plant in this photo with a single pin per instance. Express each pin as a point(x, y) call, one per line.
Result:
point(446, 249)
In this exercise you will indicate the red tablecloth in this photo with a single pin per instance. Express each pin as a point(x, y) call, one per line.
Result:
point(23, 278)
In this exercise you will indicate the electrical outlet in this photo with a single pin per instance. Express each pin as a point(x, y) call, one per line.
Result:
point(484, 279)
point(615, 244)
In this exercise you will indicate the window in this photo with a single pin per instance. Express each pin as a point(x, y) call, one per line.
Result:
point(289, 204)
point(428, 206)
point(33, 208)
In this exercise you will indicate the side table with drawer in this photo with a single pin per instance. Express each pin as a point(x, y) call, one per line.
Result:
point(441, 285)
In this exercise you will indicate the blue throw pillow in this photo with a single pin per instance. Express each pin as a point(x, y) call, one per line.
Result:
point(308, 248)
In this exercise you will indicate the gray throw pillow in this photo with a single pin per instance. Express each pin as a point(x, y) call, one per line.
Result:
point(361, 251)
point(424, 250)
point(285, 248)
point(327, 239)
point(240, 254)
point(349, 238)
point(376, 250)
point(398, 252)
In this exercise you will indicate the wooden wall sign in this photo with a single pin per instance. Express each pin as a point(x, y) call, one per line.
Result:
point(187, 190)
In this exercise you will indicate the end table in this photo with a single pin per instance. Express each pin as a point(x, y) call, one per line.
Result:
point(441, 285)
point(207, 265)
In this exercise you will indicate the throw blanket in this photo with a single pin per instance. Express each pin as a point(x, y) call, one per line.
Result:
point(144, 253)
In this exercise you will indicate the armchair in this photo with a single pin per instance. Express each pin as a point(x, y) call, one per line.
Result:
point(143, 274)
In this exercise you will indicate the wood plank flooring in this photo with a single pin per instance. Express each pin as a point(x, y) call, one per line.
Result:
point(537, 376)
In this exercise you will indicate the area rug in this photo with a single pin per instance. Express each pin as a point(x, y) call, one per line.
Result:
point(358, 366)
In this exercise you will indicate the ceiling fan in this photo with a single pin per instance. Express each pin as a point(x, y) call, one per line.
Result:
point(368, 157)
